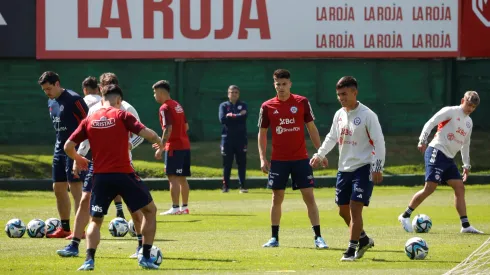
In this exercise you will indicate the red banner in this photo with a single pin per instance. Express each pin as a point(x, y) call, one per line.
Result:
point(475, 28)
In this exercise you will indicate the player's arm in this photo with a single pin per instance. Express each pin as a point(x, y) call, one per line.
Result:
point(376, 135)
point(442, 115)
point(80, 110)
point(309, 118)
point(263, 125)
point(222, 114)
point(465, 155)
point(242, 116)
point(136, 127)
point(134, 140)
point(79, 135)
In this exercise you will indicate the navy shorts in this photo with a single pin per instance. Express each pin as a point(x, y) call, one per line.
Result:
point(438, 167)
point(107, 186)
point(88, 178)
point(300, 171)
point(354, 186)
point(62, 169)
point(178, 162)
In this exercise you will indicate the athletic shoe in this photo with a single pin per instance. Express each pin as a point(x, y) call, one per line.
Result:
point(405, 222)
point(68, 251)
point(273, 242)
point(362, 249)
point(320, 243)
point(135, 255)
point(171, 211)
point(59, 233)
point(87, 265)
point(471, 229)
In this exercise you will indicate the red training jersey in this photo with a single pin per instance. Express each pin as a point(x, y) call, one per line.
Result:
point(171, 113)
point(108, 131)
point(287, 120)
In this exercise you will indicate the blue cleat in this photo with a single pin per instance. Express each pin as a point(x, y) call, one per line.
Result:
point(135, 255)
point(320, 243)
point(68, 251)
point(147, 263)
point(273, 242)
point(87, 265)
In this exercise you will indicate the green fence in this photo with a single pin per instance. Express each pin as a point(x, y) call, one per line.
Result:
point(404, 93)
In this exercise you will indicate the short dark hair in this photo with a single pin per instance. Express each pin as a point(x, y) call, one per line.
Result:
point(112, 89)
point(90, 82)
point(107, 79)
point(347, 82)
point(281, 73)
point(162, 84)
point(234, 87)
point(49, 77)
point(472, 97)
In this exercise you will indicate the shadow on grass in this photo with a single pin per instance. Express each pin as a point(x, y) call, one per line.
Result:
point(408, 260)
point(224, 215)
point(343, 249)
point(178, 221)
point(134, 239)
point(200, 259)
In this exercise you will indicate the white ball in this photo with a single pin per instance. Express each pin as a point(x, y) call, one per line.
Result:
point(132, 230)
point(118, 227)
point(51, 225)
point(421, 223)
point(15, 228)
point(36, 228)
point(416, 248)
point(156, 255)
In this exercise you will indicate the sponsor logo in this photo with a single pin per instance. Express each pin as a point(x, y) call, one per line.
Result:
point(357, 121)
point(179, 109)
point(359, 190)
point(346, 132)
point(104, 122)
point(97, 208)
point(280, 130)
point(294, 109)
point(286, 121)
point(461, 132)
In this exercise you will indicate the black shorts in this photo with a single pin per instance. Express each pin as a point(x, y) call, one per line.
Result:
point(300, 171)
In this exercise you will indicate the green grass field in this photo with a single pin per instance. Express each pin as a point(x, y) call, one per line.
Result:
point(402, 157)
point(224, 234)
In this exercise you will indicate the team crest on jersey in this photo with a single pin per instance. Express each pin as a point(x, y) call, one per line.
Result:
point(450, 136)
point(179, 109)
point(239, 107)
point(62, 108)
point(357, 121)
point(103, 122)
point(468, 124)
point(294, 109)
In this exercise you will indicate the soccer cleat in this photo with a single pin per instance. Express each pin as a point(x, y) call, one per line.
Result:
point(273, 242)
point(320, 243)
point(405, 222)
point(470, 229)
point(87, 265)
point(135, 255)
point(347, 258)
point(184, 211)
point(243, 190)
point(225, 189)
point(68, 251)
point(171, 211)
point(72, 235)
point(362, 249)
point(59, 233)
point(147, 263)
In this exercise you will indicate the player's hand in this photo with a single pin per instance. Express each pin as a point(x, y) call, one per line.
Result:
point(229, 114)
point(422, 147)
point(377, 177)
point(130, 146)
point(158, 153)
point(81, 163)
point(243, 112)
point(316, 161)
point(155, 146)
point(466, 173)
point(265, 166)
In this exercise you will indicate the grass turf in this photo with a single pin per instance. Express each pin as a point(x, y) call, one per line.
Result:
point(224, 234)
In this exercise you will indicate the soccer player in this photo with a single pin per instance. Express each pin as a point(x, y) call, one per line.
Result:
point(233, 117)
point(66, 109)
point(361, 159)
point(287, 115)
point(91, 91)
point(177, 147)
point(454, 127)
point(83, 213)
point(107, 131)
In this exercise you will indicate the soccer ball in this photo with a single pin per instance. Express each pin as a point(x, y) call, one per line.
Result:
point(36, 228)
point(132, 230)
point(421, 224)
point(51, 225)
point(416, 248)
point(15, 228)
point(118, 227)
point(156, 255)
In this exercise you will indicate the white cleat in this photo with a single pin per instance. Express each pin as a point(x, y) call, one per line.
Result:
point(348, 258)
point(405, 222)
point(470, 229)
point(171, 211)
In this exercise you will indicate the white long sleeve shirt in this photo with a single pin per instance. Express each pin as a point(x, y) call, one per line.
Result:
point(453, 134)
point(360, 139)
point(91, 100)
point(135, 140)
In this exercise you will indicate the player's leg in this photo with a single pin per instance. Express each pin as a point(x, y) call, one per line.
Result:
point(303, 179)
point(171, 167)
point(241, 161)
point(453, 179)
point(138, 199)
point(60, 188)
point(137, 217)
point(227, 156)
point(278, 178)
point(435, 165)
point(75, 183)
point(81, 220)
point(182, 178)
point(119, 207)
point(104, 189)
